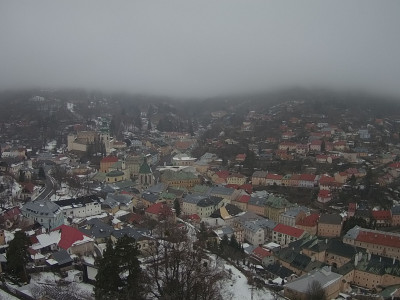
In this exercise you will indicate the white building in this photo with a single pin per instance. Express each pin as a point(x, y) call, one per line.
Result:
point(81, 207)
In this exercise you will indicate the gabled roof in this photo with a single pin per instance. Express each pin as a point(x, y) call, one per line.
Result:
point(62, 257)
point(381, 214)
point(209, 201)
point(70, 236)
point(289, 230)
point(130, 232)
point(257, 201)
point(324, 276)
point(42, 208)
point(334, 219)
point(274, 176)
point(221, 190)
point(109, 159)
point(222, 174)
point(145, 168)
point(396, 210)
point(379, 238)
point(261, 253)
point(307, 177)
point(78, 202)
point(244, 199)
point(309, 221)
point(158, 209)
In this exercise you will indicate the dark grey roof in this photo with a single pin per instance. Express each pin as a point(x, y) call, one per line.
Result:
point(131, 232)
point(153, 198)
point(157, 189)
point(121, 198)
point(194, 199)
point(324, 276)
point(379, 265)
point(97, 229)
point(232, 210)
point(334, 219)
point(62, 257)
point(41, 208)
point(279, 270)
point(80, 201)
point(258, 201)
point(221, 190)
point(396, 210)
point(110, 202)
point(209, 201)
point(337, 247)
point(108, 189)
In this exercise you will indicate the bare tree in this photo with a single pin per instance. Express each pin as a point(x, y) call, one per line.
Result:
point(66, 291)
point(315, 291)
point(179, 270)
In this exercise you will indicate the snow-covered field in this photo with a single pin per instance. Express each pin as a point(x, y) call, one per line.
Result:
point(48, 279)
point(238, 289)
point(6, 296)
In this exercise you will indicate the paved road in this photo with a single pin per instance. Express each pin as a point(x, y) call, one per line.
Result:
point(49, 187)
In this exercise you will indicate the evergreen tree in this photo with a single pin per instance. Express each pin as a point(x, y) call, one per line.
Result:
point(119, 274)
point(21, 177)
point(41, 174)
point(203, 234)
point(18, 256)
point(129, 266)
point(323, 146)
point(234, 243)
point(108, 281)
point(177, 207)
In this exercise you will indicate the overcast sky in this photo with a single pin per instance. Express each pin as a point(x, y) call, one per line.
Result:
point(200, 48)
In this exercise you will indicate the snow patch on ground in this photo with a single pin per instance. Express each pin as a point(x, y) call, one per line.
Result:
point(238, 289)
point(6, 296)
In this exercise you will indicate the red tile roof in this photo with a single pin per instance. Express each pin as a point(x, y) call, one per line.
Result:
point(261, 253)
point(109, 159)
point(326, 179)
point(29, 186)
point(377, 238)
point(309, 221)
point(34, 240)
point(158, 209)
point(289, 230)
point(307, 177)
point(381, 214)
point(241, 156)
point(247, 187)
point(69, 235)
point(222, 174)
point(194, 217)
point(316, 142)
point(11, 213)
point(274, 176)
point(232, 186)
point(244, 199)
point(324, 193)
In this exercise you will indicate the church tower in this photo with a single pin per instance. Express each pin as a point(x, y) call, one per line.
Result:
point(146, 177)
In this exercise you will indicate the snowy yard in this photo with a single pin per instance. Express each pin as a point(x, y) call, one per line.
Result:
point(6, 296)
point(238, 289)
